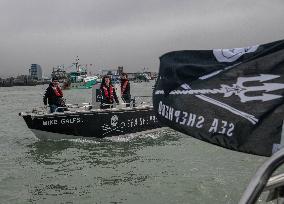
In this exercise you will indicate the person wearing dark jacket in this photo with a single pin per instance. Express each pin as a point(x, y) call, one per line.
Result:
point(125, 89)
point(108, 94)
point(53, 96)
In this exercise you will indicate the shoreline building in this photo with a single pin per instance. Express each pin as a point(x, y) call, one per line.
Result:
point(35, 72)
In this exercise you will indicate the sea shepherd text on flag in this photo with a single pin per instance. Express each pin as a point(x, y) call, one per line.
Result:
point(228, 97)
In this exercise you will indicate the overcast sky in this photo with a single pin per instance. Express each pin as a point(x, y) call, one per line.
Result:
point(128, 33)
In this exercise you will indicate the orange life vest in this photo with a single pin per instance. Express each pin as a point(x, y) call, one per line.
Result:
point(57, 91)
point(108, 95)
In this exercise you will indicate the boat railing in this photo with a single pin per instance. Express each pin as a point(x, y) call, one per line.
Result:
point(264, 181)
point(135, 103)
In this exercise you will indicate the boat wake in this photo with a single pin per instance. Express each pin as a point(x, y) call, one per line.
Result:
point(153, 134)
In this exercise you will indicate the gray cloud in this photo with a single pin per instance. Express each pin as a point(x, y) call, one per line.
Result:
point(111, 33)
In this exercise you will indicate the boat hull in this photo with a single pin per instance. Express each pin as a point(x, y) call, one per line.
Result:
point(98, 124)
point(81, 85)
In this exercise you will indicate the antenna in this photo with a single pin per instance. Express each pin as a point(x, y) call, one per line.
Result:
point(76, 63)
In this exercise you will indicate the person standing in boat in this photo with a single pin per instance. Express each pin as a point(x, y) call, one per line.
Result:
point(108, 94)
point(125, 89)
point(53, 96)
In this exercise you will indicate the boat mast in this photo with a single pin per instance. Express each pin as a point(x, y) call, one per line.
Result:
point(76, 64)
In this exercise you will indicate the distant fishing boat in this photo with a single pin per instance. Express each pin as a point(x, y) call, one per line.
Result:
point(80, 79)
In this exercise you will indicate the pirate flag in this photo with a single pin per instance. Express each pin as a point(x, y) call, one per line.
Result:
point(232, 98)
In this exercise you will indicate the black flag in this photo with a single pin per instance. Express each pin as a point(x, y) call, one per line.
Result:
point(229, 97)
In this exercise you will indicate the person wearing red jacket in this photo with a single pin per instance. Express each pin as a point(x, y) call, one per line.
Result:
point(108, 94)
point(53, 96)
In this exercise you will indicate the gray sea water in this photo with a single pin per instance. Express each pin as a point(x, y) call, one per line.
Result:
point(159, 167)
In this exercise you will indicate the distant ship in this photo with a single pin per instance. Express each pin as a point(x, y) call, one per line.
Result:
point(78, 79)
point(81, 80)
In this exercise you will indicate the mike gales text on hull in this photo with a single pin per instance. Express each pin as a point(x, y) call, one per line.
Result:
point(89, 121)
